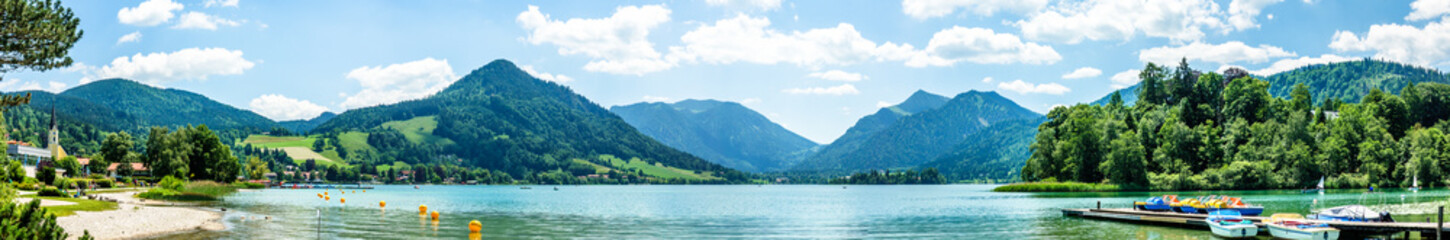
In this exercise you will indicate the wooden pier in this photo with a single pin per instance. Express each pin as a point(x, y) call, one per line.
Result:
point(1194, 220)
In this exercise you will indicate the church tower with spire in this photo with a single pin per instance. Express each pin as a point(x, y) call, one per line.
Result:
point(53, 138)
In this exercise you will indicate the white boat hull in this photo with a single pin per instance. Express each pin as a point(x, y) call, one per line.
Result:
point(1303, 234)
point(1234, 231)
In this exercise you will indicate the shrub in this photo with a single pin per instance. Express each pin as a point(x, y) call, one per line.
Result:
point(105, 183)
point(171, 183)
point(1057, 187)
point(248, 185)
point(168, 194)
point(97, 176)
point(50, 192)
point(29, 222)
point(208, 188)
point(29, 184)
point(85, 183)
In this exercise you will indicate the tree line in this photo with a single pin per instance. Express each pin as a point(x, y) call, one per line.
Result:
point(1194, 130)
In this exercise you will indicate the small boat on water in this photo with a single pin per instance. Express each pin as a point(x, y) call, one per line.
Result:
point(1294, 226)
point(1232, 203)
point(1415, 187)
point(1153, 204)
point(526, 187)
point(1230, 224)
point(1351, 213)
point(1318, 188)
point(1191, 205)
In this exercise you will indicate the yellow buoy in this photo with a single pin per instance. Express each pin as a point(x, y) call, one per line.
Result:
point(365, 190)
point(435, 215)
point(324, 193)
point(475, 226)
point(422, 209)
point(382, 204)
point(343, 200)
point(327, 198)
point(319, 195)
point(354, 191)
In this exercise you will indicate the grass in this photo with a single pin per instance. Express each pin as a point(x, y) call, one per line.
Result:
point(278, 142)
point(655, 170)
point(1057, 187)
point(355, 141)
point(192, 191)
point(81, 204)
point(419, 130)
point(301, 154)
point(386, 167)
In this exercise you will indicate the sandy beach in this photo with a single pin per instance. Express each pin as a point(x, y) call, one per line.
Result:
point(139, 219)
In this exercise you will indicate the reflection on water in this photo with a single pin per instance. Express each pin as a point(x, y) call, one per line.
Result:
point(745, 211)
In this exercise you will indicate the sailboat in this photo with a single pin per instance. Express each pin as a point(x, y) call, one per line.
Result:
point(1415, 185)
point(1317, 188)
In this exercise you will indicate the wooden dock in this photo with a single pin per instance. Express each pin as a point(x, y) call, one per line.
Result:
point(1194, 220)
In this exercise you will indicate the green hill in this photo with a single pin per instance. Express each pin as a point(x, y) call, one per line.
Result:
point(1346, 81)
point(1352, 80)
point(996, 153)
point(501, 118)
point(921, 137)
point(726, 133)
point(306, 125)
point(167, 107)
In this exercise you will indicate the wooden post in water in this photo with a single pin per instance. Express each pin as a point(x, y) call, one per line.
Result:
point(1440, 223)
point(1100, 204)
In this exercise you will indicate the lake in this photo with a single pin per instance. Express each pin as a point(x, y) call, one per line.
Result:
point(724, 211)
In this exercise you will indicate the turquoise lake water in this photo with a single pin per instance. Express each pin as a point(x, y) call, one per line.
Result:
point(720, 212)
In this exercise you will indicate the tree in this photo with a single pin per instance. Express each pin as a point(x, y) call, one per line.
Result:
point(318, 145)
point(256, 168)
point(1150, 89)
point(116, 148)
point(38, 35)
point(71, 165)
point(166, 153)
point(45, 174)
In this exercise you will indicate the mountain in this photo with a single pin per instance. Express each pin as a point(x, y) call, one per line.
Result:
point(919, 137)
point(304, 126)
point(721, 132)
point(1348, 81)
point(1129, 95)
point(166, 107)
point(994, 153)
point(869, 125)
point(499, 117)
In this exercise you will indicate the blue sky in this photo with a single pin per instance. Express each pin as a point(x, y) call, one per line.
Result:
point(813, 66)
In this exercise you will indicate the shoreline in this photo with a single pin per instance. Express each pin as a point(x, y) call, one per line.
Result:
point(137, 218)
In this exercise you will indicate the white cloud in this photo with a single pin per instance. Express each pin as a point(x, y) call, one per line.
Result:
point(1242, 12)
point(1229, 52)
point(1428, 9)
point(222, 3)
point(129, 37)
point(980, 45)
point(196, 20)
point(186, 64)
point(1125, 78)
point(843, 89)
point(648, 98)
point(1292, 63)
point(838, 75)
point(1073, 22)
point(987, 80)
point(149, 13)
point(764, 5)
point(16, 84)
point(750, 101)
point(1425, 46)
point(1085, 72)
point(618, 44)
point(923, 9)
point(1024, 88)
point(556, 78)
point(282, 108)
point(883, 104)
point(398, 82)
point(747, 39)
